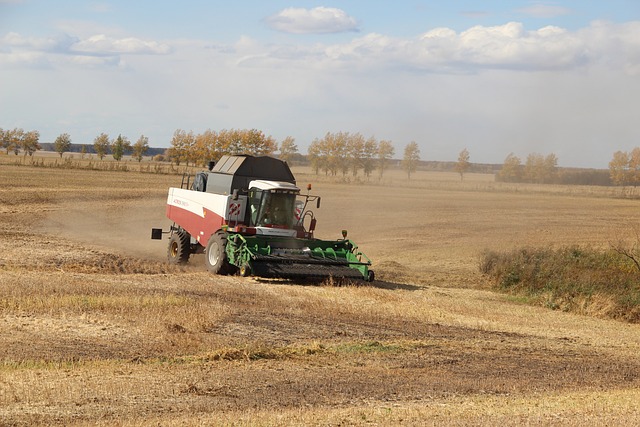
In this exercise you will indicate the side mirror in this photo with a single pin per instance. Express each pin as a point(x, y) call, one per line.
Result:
point(318, 203)
point(312, 224)
point(156, 233)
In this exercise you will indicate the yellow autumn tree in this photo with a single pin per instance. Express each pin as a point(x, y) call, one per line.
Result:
point(619, 168)
point(462, 165)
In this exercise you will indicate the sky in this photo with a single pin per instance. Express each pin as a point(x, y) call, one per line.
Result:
point(494, 77)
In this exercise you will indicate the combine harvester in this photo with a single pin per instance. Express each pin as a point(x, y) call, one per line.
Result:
point(247, 215)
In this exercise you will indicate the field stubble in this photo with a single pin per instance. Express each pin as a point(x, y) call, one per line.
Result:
point(96, 328)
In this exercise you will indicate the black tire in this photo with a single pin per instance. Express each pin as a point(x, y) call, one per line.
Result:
point(216, 255)
point(179, 247)
point(244, 270)
point(371, 276)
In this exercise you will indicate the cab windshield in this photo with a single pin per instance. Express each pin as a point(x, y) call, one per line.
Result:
point(271, 208)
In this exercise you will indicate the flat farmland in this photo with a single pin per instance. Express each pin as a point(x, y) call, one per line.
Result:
point(96, 329)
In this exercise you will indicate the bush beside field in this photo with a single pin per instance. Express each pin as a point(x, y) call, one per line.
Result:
point(589, 281)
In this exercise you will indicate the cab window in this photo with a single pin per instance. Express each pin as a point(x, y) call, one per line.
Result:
point(271, 208)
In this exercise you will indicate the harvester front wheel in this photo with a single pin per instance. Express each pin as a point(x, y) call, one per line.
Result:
point(179, 245)
point(370, 276)
point(245, 270)
point(216, 255)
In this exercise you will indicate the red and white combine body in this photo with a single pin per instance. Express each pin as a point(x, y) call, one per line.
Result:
point(244, 213)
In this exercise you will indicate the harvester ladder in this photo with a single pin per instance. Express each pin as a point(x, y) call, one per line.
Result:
point(186, 181)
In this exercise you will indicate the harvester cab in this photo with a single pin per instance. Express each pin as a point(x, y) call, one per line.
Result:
point(272, 204)
point(248, 216)
point(276, 206)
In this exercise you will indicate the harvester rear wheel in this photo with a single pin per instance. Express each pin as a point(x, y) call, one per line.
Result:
point(179, 247)
point(216, 256)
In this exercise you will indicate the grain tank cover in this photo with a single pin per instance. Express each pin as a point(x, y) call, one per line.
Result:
point(236, 172)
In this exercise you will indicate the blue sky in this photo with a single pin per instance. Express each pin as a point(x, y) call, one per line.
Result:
point(494, 77)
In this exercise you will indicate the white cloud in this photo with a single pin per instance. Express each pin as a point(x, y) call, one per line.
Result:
point(102, 44)
point(96, 61)
point(46, 44)
point(97, 44)
point(508, 46)
point(319, 20)
point(95, 51)
point(616, 46)
point(24, 59)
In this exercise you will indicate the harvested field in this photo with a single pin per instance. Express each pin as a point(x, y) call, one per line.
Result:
point(96, 329)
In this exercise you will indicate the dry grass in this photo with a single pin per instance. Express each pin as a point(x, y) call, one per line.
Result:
point(97, 330)
point(573, 279)
point(76, 161)
point(549, 409)
point(450, 181)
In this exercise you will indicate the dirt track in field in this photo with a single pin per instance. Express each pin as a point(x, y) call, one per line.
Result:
point(95, 326)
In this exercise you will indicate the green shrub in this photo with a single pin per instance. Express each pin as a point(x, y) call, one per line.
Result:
point(576, 279)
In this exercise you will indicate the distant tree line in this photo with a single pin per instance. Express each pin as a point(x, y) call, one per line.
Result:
point(88, 149)
point(344, 152)
point(17, 139)
point(537, 169)
point(340, 152)
point(197, 149)
point(542, 169)
point(335, 153)
point(624, 169)
point(120, 146)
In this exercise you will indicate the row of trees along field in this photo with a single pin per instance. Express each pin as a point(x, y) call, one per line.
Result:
point(119, 146)
point(15, 140)
point(349, 152)
point(537, 169)
point(340, 152)
point(624, 169)
point(189, 148)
